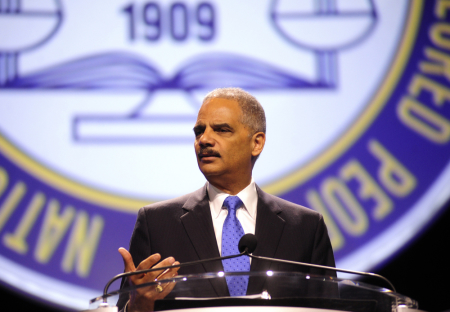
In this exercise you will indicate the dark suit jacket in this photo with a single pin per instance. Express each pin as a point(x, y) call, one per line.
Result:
point(182, 228)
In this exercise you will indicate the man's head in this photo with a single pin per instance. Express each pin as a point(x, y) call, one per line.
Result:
point(229, 136)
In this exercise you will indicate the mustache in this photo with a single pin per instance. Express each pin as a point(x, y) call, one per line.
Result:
point(208, 152)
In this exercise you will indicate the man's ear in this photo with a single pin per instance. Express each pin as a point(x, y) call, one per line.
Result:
point(258, 141)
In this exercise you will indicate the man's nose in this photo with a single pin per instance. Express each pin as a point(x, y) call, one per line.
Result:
point(207, 138)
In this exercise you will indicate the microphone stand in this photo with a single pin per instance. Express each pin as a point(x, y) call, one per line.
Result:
point(323, 267)
point(247, 245)
point(126, 274)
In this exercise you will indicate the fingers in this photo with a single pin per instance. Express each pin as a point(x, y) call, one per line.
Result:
point(166, 262)
point(166, 287)
point(149, 262)
point(127, 260)
point(168, 273)
point(166, 290)
point(151, 276)
point(144, 298)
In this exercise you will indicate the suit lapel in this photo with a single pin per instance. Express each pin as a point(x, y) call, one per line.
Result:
point(268, 231)
point(197, 222)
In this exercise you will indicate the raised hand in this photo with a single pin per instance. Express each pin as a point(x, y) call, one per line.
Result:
point(143, 299)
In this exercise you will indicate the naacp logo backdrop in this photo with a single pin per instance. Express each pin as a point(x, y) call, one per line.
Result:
point(98, 100)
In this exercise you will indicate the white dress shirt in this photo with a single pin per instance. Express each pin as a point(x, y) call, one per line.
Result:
point(246, 214)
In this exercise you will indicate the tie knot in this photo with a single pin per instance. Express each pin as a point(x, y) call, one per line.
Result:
point(232, 203)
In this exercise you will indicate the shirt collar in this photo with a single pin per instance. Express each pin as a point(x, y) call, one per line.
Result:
point(248, 195)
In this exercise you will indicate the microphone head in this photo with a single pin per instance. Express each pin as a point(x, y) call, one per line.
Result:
point(248, 241)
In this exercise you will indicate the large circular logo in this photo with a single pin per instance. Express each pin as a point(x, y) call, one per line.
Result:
point(98, 102)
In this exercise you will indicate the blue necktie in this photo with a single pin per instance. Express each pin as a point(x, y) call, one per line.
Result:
point(231, 234)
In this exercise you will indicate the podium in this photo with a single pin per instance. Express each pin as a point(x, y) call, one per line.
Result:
point(267, 291)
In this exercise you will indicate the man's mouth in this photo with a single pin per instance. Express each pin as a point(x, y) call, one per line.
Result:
point(207, 154)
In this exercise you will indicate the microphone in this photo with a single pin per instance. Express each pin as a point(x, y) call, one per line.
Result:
point(248, 243)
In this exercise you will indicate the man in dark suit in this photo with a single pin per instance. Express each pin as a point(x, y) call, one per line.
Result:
point(229, 137)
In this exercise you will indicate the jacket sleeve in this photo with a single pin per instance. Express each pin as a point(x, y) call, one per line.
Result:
point(323, 251)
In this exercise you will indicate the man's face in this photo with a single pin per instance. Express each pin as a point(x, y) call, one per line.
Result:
point(222, 143)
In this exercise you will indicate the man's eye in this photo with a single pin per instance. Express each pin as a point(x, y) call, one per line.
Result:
point(198, 131)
